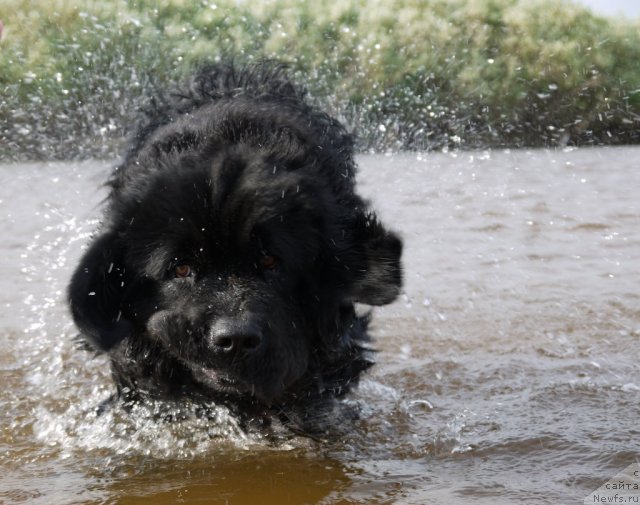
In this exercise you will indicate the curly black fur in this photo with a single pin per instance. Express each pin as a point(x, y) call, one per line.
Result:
point(233, 249)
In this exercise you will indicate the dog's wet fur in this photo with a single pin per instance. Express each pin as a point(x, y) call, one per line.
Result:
point(233, 249)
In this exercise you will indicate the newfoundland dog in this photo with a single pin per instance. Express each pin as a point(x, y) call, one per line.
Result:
point(233, 249)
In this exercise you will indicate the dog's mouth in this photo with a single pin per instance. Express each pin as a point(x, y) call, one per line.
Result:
point(220, 382)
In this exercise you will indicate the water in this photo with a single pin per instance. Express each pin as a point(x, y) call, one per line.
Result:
point(508, 371)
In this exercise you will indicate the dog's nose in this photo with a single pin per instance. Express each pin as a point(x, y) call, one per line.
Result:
point(235, 336)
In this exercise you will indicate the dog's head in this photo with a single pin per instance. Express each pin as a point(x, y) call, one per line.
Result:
point(234, 267)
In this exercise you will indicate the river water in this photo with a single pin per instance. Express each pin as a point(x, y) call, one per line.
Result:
point(508, 370)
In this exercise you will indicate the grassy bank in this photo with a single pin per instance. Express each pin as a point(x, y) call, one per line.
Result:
point(403, 73)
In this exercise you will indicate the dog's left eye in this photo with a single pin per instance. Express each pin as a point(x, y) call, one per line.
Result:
point(182, 270)
point(268, 262)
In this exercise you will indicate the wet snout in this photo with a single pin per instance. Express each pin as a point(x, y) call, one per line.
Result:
point(236, 336)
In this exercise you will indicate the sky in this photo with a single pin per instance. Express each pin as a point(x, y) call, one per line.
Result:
point(627, 8)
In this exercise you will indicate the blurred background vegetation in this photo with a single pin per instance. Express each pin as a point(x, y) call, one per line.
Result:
point(404, 74)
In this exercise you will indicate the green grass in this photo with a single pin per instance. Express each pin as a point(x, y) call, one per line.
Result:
point(404, 74)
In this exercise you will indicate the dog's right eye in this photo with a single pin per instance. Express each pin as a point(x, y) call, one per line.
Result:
point(182, 270)
point(268, 262)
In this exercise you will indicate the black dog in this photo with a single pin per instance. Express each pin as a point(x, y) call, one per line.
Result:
point(233, 249)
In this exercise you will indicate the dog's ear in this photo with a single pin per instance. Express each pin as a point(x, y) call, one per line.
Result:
point(96, 294)
point(379, 272)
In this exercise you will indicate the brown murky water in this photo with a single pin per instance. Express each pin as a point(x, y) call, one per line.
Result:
point(507, 373)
